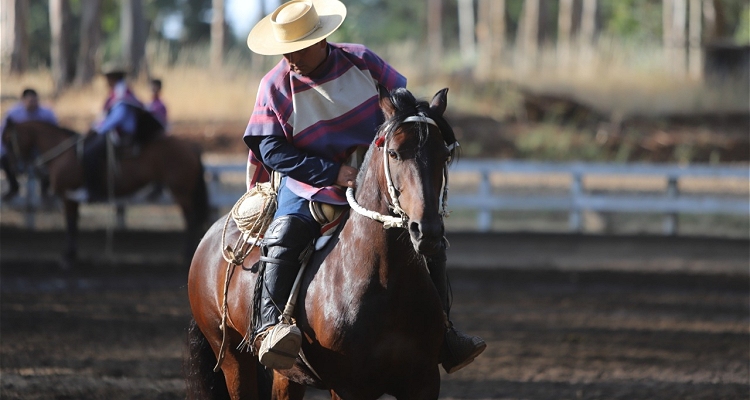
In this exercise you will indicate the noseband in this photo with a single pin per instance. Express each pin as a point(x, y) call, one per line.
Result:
point(401, 219)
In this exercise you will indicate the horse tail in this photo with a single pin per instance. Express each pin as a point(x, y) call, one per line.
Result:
point(201, 380)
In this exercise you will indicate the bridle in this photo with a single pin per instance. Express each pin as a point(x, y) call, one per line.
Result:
point(401, 219)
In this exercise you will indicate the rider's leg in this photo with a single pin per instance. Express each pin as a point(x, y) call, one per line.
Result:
point(459, 349)
point(94, 159)
point(10, 174)
point(284, 243)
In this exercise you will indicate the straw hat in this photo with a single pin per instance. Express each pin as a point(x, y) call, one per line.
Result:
point(295, 25)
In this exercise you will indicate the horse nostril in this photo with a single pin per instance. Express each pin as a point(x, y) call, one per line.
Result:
point(414, 230)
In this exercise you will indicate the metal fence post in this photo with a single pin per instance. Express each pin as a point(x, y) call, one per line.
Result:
point(120, 210)
point(576, 189)
point(670, 220)
point(484, 216)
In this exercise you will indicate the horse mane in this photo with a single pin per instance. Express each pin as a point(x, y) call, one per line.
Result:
point(406, 105)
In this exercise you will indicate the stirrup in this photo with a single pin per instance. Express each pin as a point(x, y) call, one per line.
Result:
point(279, 346)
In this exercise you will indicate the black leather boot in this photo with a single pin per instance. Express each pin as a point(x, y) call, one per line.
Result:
point(459, 349)
point(285, 242)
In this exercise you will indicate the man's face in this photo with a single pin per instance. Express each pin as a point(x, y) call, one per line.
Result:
point(305, 61)
point(31, 102)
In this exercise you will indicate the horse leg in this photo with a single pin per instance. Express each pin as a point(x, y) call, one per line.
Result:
point(424, 387)
point(194, 214)
point(284, 389)
point(241, 374)
point(71, 229)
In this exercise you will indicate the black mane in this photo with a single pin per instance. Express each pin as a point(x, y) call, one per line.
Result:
point(406, 105)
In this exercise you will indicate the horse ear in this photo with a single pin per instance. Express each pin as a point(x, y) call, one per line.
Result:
point(439, 102)
point(385, 102)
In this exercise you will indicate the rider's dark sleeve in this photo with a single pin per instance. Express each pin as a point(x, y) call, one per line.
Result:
point(280, 155)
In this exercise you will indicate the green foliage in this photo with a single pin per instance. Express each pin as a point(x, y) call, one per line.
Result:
point(550, 141)
point(638, 20)
point(39, 33)
point(742, 35)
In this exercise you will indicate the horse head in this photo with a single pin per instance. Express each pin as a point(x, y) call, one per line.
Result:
point(17, 144)
point(416, 144)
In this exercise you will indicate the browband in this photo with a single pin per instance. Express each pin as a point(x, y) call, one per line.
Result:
point(419, 118)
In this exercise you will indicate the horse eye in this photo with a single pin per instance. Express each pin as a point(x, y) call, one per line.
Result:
point(393, 154)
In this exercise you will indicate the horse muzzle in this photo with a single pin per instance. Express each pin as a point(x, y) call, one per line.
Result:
point(427, 238)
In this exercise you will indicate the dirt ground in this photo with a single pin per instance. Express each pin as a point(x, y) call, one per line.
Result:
point(117, 330)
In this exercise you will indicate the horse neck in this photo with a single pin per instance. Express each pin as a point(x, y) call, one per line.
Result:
point(47, 137)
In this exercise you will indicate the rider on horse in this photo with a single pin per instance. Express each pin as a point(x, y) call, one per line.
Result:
point(312, 110)
point(125, 115)
point(28, 109)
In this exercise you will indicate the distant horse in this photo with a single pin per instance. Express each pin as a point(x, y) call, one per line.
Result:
point(168, 160)
point(371, 319)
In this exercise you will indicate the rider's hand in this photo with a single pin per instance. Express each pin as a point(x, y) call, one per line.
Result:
point(347, 177)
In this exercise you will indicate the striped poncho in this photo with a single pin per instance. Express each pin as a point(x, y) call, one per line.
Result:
point(326, 116)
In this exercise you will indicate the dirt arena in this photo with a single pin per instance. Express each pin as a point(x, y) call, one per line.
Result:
point(115, 330)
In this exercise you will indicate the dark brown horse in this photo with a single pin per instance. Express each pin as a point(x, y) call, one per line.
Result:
point(168, 160)
point(371, 318)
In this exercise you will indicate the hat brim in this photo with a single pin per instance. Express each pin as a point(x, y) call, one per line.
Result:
point(261, 39)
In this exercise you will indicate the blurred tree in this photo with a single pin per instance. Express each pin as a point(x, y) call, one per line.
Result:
point(196, 19)
point(490, 37)
point(435, 33)
point(527, 39)
point(742, 35)
point(15, 37)
point(133, 35)
point(62, 61)
point(695, 51)
point(466, 31)
point(218, 30)
point(90, 35)
point(564, 33)
point(587, 35)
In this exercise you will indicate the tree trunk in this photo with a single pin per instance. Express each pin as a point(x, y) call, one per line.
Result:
point(668, 42)
point(490, 37)
point(695, 51)
point(564, 34)
point(679, 21)
point(60, 52)
point(435, 34)
point(709, 20)
point(527, 39)
point(587, 36)
point(90, 38)
point(217, 34)
point(466, 31)
point(15, 37)
point(133, 34)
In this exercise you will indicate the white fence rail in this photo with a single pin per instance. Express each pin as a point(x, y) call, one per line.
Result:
point(671, 202)
point(485, 198)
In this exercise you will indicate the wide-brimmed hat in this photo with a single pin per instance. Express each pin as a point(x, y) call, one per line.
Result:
point(295, 25)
